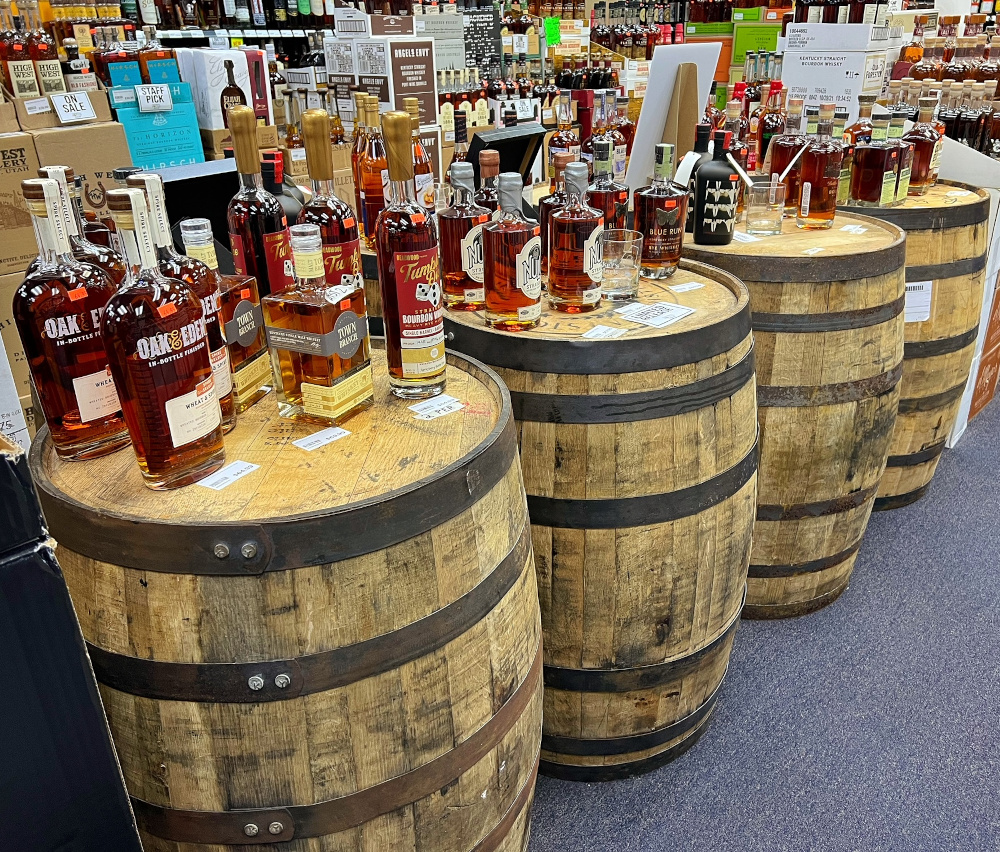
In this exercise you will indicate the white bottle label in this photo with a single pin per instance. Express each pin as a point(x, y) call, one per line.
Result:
point(621, 154)
point(804, 203)
point(424, 185)
point(529, 268)
point(472, 255)
point(221, 372)
point(193, 415)
point(532, 312)
point(593, 259)
point(815, 15)
point(96, 396)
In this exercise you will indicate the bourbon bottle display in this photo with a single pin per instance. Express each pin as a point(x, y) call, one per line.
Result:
point(57, 310)
point(241, 317)
point(409, 275)
point(715, 197)
point(660, 214)
point(461, 226)
point(337, 223)
point(512, 249)
point(203, 283)
point(318, 338)
point(155, 336)
point(575, 249)
point(819, 175)
point(605, 193)
point(926, 142)
point(258, 229)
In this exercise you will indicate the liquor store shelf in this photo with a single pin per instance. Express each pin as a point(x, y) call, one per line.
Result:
point(239, 33)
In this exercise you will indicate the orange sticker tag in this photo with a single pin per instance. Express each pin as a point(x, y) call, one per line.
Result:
point(349, 223)
point(77, 294)
point(245, 293)
point(345, 305)
point(480, 219)
point(166, 310)
point(536, 230)
point(418, 218)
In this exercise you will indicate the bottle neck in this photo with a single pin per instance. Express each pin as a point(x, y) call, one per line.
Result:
point(491, 182)
point(50, 252)
point(137, 244)
point(402, 192)
point(251, 181)
point(323, 188)
point(203, 251)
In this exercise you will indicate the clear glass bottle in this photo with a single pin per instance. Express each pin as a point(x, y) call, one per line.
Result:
point(203, 283)
point(57, 310)
point(318, 338)
point(660, 214)
point(548, 204)
point(512, 271)
point(605, 193)
point(461, 227)
point(154, 333)
point(784, 154)
point(819, 175)
point(409, 275)
point(575, 253)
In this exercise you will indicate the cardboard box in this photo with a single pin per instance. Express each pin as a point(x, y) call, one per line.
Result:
point(986, 382)
point(8, 118)
point(205, 71)
point(216, 141)
point(343, 185)
point(8, 334)
point(756, 37)
point(260, 84)
point(294, 160)
point(836, 76)
point(839, 38)
point(158, 140)
point(93, 151)
point(18, 162)
point(40, 113)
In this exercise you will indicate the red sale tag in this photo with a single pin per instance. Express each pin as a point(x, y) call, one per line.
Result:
point(77, 294)
point(166, 310)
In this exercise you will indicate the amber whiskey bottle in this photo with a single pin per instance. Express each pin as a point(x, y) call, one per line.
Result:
point(565, 138)
point(409, 275)
point(926, 142)
point(358, 144)
point(318, 338)
point(461, 226)
point(784, 156)
point(232, 95)
point(552, 202)
point(57, 310)
point(488, 194)
point(875, 167)
point(241, 317)
point(423, 170)
point(42, 50)
point(258, 230)
point(336, 221)
point(715, 196)
point(576, 250)
point(819, 175)
point(605, 193)
point(660, 214)
point(512, 272)
point(772, 121)
point(203, 283)
point(374, 172)
point(155, 337)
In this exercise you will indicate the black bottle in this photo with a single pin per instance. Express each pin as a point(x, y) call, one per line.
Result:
point(715, 196)
point(272, 176)
point(703, 132)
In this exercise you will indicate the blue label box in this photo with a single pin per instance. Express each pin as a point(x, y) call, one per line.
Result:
point(158, 140)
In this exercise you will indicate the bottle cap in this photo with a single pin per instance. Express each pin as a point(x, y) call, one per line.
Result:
point(561, 160)
point(510, 188)
point(577, 178)
point(316, 134)
point(463, 175)
point(243, 125)
point(122, 172)
point(398, 148)
point(489, 163)
point(196, 231)
point(602, 156)
point(305, 238)
point(735, 107)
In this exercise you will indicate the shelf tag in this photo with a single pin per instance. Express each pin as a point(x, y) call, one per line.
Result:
point(228, 475)
point(154, 97)
point(73, 107)
point(321, 438)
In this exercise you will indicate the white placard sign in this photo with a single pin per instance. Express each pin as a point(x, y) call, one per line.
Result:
point(154, 97)
point(73, 107)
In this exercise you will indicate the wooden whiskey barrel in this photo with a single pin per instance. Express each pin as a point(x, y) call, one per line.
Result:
point(639, 456)
point(947, 233)
point(340, 650)
point(828, 329)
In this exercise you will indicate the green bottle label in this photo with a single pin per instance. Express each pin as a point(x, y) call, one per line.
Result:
point(888, 189)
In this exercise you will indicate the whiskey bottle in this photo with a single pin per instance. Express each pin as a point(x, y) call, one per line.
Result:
point(241, 317)
point(565, 138)
point(512, 272)
point(703, 134)
point(258, 229)
point(660, 214)
point(784, 155)
point(605, 193)
point(423, 171)
point(488, 194)
point(409, 275)
point(57, 310)
point(232, 95)
point(548, 204)
point(461, 227)
point(359, 143)
point(203, 283)
point(926, 142)
point(819, 175)
point(373, 172)
point(772, 121)
point(875, 167)
point(715, 196)
point(905, 158)
point(19, 70)
point(576, 248)
point(154, 333)
point(317, 335)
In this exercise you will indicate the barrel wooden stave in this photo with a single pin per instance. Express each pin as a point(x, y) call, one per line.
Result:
point(623, 598)
point(327, 744)
point(829, 350)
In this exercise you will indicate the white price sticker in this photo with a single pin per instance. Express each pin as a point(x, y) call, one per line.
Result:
point(73, 107)
point(686, 288)
point(321, 438)
point(743, 237)
point(854, 229)
point(918, 301)
point(438, 406)
point(813, 250)
point(154, 97)
point(228, 475)
point(604, 332)
point(659, 315)
point(37, 106)
point(958, 193)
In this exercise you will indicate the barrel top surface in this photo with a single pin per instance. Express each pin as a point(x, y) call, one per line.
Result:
point(387, 450)
point(946, 204)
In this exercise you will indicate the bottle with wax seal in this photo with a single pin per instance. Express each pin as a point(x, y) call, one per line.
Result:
point(461, 226)
point(488, 194)
point(575, 255)
point(154, 333)
point(337, 223)
point(409, 274)
point(318, 338)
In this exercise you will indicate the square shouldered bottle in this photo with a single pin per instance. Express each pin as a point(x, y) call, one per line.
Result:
point(819, 175)
point(660, 216)
point(873, 163)
point(605, 193)
point(461, 226)
point(576, 251)
point(318, 338)
point(157, 344)
point(57, 310)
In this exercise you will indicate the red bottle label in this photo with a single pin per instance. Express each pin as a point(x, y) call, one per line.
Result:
point(278, 256)
point(421, 315)
point(239, 258)
point(343, 260)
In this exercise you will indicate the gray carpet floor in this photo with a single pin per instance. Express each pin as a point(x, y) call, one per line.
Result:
point(870, 726)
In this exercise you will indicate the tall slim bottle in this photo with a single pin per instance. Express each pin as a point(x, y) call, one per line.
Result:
point(409, 274)
point(258, 229)
point(374, 172)
point(154, 333)
point(360, 141)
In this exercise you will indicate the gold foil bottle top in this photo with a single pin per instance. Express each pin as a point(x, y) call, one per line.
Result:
point(243, 126)
point(412, 107)
point(399, 151)
point(371, 111)
point(316, 132)
point(359, 108)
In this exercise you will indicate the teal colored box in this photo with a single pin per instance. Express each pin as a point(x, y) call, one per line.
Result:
point(125, 73)
point(163, 71)
point(158, 140)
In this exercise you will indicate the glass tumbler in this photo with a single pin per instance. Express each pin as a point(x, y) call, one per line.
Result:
point(622, 254)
